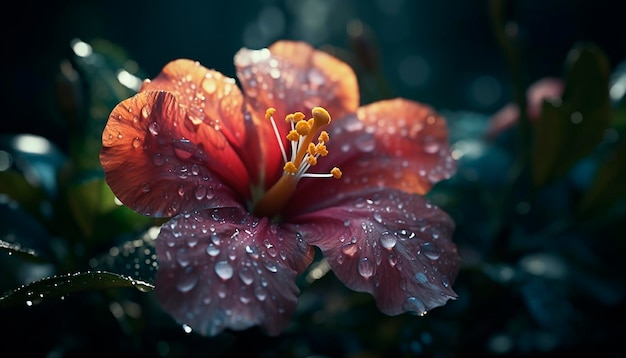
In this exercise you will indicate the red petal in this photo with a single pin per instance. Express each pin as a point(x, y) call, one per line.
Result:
point(159, 164)
point(396, 246)
point(292, 76)
point(225, 269)
point(211, 98)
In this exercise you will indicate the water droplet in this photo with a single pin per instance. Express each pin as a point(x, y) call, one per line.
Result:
point(387, 240)
point(430, 251)
point(270, 266)
point(200, 192)
point(378, 217)
point(349, 248)
point(195, 170)
point(365, 267)
point(209, 85)
point(187, 282)
point(136, 142)
point(181, 190)
point(154, 128)
point(431, 146)
point(260, 293)
point(182, 257)
point(416, 305)
point(184, 149)
point(253, 251)
point(245, 274)
point(145, 111)
point(212, 250)
point(224, 270)
point(421, 277)
point(145, 187)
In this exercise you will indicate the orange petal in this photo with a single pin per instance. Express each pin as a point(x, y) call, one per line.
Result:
point(159, 163)
point(412, 152)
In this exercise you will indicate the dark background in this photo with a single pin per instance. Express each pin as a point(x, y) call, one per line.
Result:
point(444, 53)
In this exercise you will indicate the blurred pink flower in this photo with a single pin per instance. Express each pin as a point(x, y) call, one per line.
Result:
point(506, 117)
point(246, 202)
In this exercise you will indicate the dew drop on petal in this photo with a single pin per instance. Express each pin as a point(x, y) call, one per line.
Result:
point(416, 305)
point(212, 250)
point(430, 251)
point(365, 267)
point(224, 270)
point(136, 142)
point(349, 248)
point(260, 293)
point(200, 192)
point(145, 111)
point(421, 277)
point(270, 266)
point(431, 146)
point(387, 240)
point(253, 251)
point(154, 128)
point(187, 282)
point(245, 274)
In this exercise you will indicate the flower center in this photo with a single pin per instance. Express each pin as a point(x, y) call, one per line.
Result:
point(304, 155)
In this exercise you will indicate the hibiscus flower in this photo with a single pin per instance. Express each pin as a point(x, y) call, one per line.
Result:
point(252, 186)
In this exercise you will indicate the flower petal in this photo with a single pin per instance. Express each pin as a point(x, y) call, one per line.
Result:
point(290, 77)
point(396, 246)
point(396, 143)
point(225, 269)
point(214, 105)
point(158, 165)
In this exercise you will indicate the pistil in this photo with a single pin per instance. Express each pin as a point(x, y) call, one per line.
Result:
point(304, 154)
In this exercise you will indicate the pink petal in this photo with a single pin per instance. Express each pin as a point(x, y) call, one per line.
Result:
point(396, 246)
point(158, 165)
point(397, 143)
point(292, 76)
point(225, 269)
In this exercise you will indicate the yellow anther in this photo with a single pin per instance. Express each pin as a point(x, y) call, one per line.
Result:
point(311, 160)
point(321, 116)
point(311, 150)
point(293, 135)
point(324, 137)
point(303, 127)
point(320, 149)
point(290, 168)
point(336, 173)
point(298, 116)
point(289, 118)
point(269, 112)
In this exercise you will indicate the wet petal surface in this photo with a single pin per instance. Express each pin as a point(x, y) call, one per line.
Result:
point(158, 167)
point(396, 143)
point(396, 246)
point(225, 269)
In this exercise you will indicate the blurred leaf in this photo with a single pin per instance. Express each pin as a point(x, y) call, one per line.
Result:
point(568, 131)
point(18, 250)
point(618, 95)
point(106, 77)
point(92, 204)
point(62, 285)
point(15, 186)
point(609, 184)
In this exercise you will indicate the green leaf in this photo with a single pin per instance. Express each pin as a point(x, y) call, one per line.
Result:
point(568, 131)
point(609, 184)
point(63, 285)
